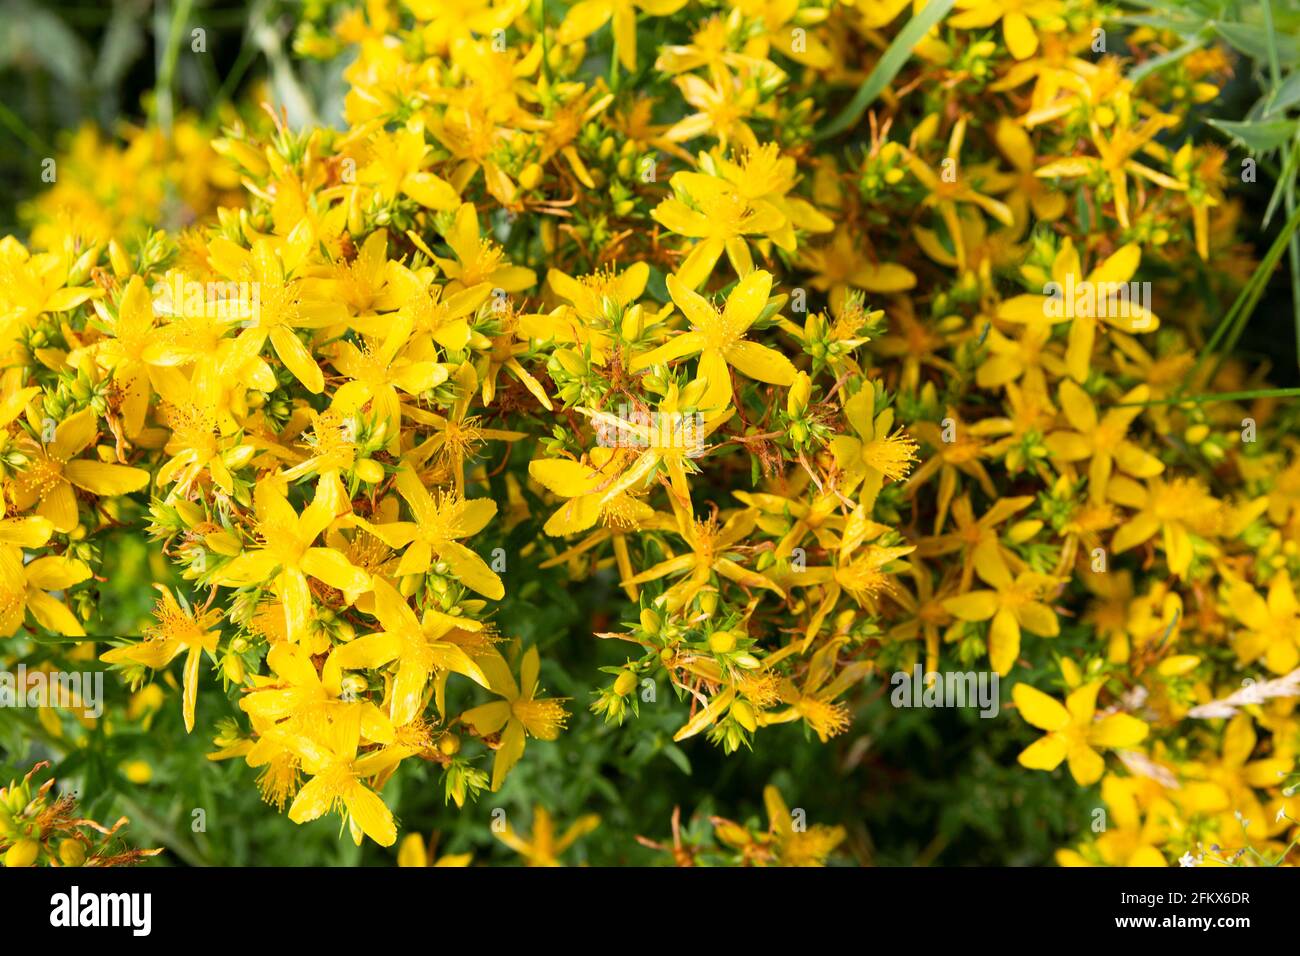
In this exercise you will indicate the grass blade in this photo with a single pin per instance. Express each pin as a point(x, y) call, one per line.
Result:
point(887, 67)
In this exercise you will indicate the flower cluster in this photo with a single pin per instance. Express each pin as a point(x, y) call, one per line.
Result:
point(601, 304)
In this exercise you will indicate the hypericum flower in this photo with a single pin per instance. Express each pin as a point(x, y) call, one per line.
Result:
point(710, 553)
point(1029, 192)
point(434, 533)
point(124, 353)
point(1102, 441)
point(330, 757)
point(416, 645)
point(377, 372)
point(1073, 734)
point(542, 847)
point(814, 702)
point(478, 260)
point(953, 186)
point(288, 554)
point(53, 469)
point(413, 852)
point(1012, 604)
point(522, 713)
point(280, 308)
point(1272, 626)
point(725, 105)
point(457, 435)
point(1175, 508)
point(367, 286)
point(583, 485)
point(397, 165)
point(763, 175)
point(1017, 30)
point(24, 587)
point(1131, 839)
point(1116, 147)
point(196, 445)
point(876, 453)
point(176, 629)
point(974, 539)
point(587, 16)
point(720, 339)
point(667, 436)
point(598, 297)
point(35, 284)
point(844, 263)
point(1103, 296)
point(798, 846)
point(711, 210)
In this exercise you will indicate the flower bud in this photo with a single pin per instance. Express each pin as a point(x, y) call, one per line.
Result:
point(625, 683)
point(23, 853)
point(796, 401)
point(722, 642)
point(72, 852)
point(744, 715)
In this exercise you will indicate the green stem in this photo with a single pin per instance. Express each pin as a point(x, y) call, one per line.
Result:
point(1214, 397)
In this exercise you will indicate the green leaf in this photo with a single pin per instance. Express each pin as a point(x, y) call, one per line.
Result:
point(887, 67)
point(1258, 136)
point(1282, 98)
point(1254, 41)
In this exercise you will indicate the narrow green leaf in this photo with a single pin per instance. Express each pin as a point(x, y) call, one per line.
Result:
point(1258, 136)
point(887, 67)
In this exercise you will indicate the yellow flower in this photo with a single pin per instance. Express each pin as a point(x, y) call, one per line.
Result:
point(336, 774)
point(876, 453)
point(478, 260)
point(1272, 626)
point(710, 553)
point(397, 166)
point(1176, 509)
point(843, 263)
point(798, 846)
point(414, 853)
point(1103, 296)
point(720, 340)
point(417, 647)
point(713, 211)
point(953, 185)
point(1017, 30)
point(434, 532)
point(53, 469)
point(1073, 734)
point(378, 372)
point(280, 308)
point(587, 16)
point(521, 713)
point(1101, 441)
point(24, 586)
point(543, 848)
point(177, 630)
point(1114, 162)
point(124, 353)
point(1129, 839)
point(287, 555)
point(1011, 605)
